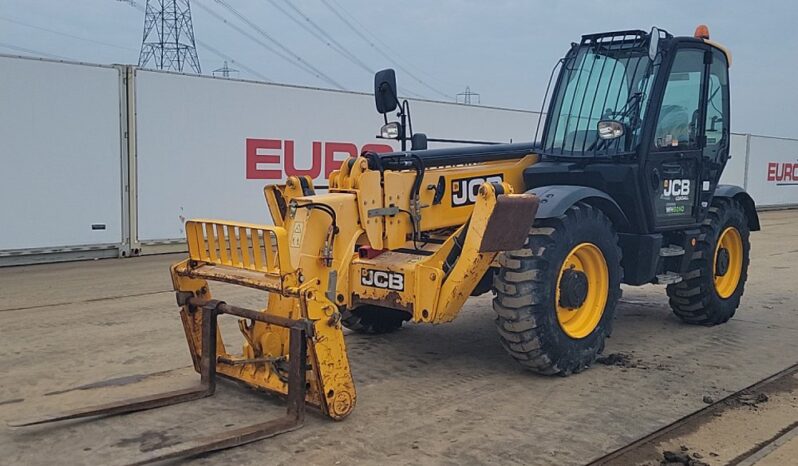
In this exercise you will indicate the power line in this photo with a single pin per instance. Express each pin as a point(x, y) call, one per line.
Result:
point(234, 62)
point(382, 52)
point(247, 35)
point(213, 50)
point(319, 33)
point(298, 62)
point(318, 73)
point(396, 56)
point(316, 31)
point(34, 52)
point(254, 39)
point(65, 34)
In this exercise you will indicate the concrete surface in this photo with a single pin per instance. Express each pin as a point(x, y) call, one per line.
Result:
point(426, 395)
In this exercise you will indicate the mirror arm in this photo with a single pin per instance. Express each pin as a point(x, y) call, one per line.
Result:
point(402, 130)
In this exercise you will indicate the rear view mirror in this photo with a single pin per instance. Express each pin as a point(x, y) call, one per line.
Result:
point(653, 43)
point(610, 129)
point(385, 96)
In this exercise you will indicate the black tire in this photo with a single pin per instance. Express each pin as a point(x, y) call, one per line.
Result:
point(695, 300)
point(375, 320)
point(526, 286)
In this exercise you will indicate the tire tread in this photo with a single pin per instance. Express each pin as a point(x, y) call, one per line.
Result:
point(523, 300)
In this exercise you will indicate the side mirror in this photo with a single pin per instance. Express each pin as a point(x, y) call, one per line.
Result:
point(653, 43)
point(610, 129)
point(418, 141)
point(385, 96)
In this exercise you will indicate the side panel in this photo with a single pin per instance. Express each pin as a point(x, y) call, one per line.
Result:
point(206, 146)
point(673, 186)
point(773, 171)
point(61, 155)
point(611, 187)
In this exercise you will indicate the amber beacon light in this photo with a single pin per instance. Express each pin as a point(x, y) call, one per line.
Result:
point(701, 32)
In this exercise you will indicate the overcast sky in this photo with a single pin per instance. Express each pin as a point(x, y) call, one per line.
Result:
point(502, 49)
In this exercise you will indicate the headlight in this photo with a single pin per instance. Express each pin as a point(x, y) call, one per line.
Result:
point(390, 130)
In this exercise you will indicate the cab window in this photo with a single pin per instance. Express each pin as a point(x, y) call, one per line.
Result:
point(716, 124)
point(677, 123)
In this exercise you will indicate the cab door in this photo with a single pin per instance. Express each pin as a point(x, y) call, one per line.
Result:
point(717, 137)
point(672, 167)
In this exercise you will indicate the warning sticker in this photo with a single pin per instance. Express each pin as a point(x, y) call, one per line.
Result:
point(296, 234)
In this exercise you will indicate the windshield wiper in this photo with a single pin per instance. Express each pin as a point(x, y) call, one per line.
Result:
point(632, 104)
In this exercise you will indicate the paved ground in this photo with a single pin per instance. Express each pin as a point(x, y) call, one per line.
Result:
point(428, 394)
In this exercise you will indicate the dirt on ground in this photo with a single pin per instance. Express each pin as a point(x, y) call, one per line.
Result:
point(75, 334)
point(747, 427)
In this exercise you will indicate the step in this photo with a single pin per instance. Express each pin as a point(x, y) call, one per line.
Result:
point(668, 278)
point(671, 251)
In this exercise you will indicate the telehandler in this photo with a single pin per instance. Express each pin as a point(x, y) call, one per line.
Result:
point(622, 187)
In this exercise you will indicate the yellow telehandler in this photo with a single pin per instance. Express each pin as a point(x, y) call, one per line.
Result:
point(623, 187)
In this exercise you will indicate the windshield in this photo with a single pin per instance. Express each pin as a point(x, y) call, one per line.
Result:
point(604, 78)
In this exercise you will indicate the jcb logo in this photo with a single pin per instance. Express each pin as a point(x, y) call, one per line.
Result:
point(465, 190)
point(676, 188)
point(382, 279)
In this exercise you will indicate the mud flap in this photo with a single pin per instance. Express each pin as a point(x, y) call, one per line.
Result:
point(509, 223)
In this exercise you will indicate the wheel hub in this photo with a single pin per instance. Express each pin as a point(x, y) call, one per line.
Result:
point(573, 288)
point(722, 262)
point(728, 262)
point(582, 290)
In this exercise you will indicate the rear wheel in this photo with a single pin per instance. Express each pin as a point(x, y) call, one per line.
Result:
point(556, 298)
point(713, 285)
point(375, 319)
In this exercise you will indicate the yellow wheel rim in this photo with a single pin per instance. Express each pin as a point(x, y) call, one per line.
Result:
point(726, 281)
point(579, 322)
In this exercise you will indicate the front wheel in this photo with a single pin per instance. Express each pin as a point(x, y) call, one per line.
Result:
point(713, 285)
point(556, 298)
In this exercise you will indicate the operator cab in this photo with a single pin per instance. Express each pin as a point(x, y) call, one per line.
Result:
point(643, 117)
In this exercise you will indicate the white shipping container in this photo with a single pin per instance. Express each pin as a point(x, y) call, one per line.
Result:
point(773, 171)
point(207, 146)
point(60, 149)
point(734, 173)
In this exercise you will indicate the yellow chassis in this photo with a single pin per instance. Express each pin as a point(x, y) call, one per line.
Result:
point(309, 264)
